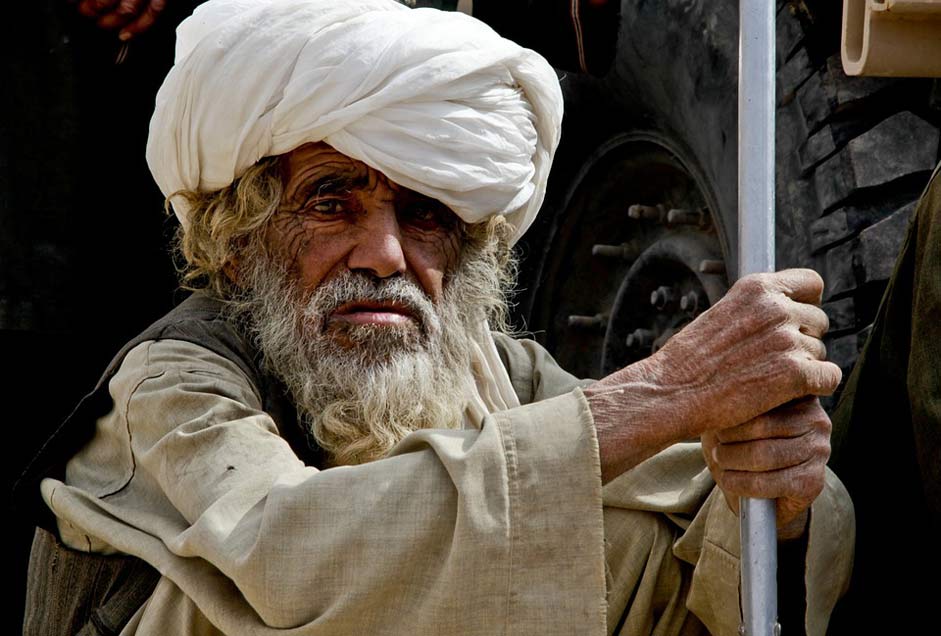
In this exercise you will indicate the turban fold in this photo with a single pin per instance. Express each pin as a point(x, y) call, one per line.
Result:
point(437, 101)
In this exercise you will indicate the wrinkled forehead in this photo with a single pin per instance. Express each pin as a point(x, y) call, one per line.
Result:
point(318, 163)
point(318, 160)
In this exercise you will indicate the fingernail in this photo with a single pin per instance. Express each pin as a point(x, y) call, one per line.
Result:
point(124, 36)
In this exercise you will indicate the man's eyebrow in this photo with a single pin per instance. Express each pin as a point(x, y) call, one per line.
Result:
point(328, 184)
point(328, 179)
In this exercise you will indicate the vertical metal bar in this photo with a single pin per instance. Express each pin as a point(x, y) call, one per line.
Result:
point(756, 99)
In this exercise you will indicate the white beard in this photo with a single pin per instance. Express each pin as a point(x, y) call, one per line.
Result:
point(359, 389)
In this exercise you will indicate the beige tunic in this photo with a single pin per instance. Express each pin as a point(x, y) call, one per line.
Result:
point(500, 530)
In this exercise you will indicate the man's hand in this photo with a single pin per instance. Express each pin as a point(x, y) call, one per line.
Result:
point(131, 16)
point(754, 350)
point(780, 455)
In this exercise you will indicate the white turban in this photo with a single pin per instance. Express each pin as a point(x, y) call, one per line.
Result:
point(435, 100)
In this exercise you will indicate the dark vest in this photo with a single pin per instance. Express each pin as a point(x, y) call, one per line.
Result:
point(71, 592)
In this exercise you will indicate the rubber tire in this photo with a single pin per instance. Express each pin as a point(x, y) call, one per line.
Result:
point(852, 153)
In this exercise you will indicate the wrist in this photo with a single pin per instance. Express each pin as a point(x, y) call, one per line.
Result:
point(635, 417)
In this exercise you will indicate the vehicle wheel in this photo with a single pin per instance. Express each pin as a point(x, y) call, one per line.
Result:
point(641, 211)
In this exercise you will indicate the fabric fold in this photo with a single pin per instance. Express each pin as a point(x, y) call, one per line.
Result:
point(437, 101)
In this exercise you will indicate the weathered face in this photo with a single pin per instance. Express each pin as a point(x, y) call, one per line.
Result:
point(339, 214)
point(363, 299)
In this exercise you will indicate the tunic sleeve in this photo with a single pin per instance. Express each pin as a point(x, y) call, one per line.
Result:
point(672, 545)
point(691, 549)
point(477, 532)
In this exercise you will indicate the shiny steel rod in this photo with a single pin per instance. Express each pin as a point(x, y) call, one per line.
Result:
point(756, 84)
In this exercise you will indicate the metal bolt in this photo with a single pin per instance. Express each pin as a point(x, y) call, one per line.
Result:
point(662, 297)
point(710, 266)
point(640, 338)
point(688, 217)
point(647, 212)
point(690, 302)
point(613, 251)
point(598, 321)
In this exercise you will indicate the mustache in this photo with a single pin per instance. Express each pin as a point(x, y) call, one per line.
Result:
point(351, 287)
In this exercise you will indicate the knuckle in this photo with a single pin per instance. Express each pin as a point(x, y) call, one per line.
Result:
point(764, 312)
point(751, 285)
point(821, 449)
point(814, 279)
point(815, 485)
point(795, 375)
point(814, 347)
point(781, 340)
point(823, 424)
point(806, 448)
point(821, 349)
point(754, 320)
point(771, 305)
point(810, 281)
point(809, 483)
point(802, 485)
point(823, 319)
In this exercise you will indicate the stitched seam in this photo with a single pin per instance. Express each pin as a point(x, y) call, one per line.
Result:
point(127, 425)
point(509, 443)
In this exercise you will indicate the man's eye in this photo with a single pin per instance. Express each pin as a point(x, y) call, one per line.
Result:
point(423, 213)
point(428, 215)
point(328, 206)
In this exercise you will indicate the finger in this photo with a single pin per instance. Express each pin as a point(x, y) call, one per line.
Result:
point(124, 12)
point(144, 21)
point(802, 285)
point(802, 483)
point(766, 455)
point(817, 377)
point(92, 8)
point(814, 347)
point(812, 320)
point(791, 420)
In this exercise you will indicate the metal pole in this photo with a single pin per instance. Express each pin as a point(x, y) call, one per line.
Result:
point(756, 83)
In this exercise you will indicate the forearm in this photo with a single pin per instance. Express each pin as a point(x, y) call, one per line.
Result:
point(636, 415)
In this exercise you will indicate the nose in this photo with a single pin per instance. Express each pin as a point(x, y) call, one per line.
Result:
point(378, 249)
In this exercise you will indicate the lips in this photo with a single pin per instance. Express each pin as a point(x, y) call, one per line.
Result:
point(363, 312)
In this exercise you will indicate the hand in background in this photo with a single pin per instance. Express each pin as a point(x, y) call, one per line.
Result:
point(132, 17)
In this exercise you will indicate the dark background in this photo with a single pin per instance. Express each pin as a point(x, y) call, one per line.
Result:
point(83, 236)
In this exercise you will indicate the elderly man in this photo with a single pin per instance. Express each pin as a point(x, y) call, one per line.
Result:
point(327, 437)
